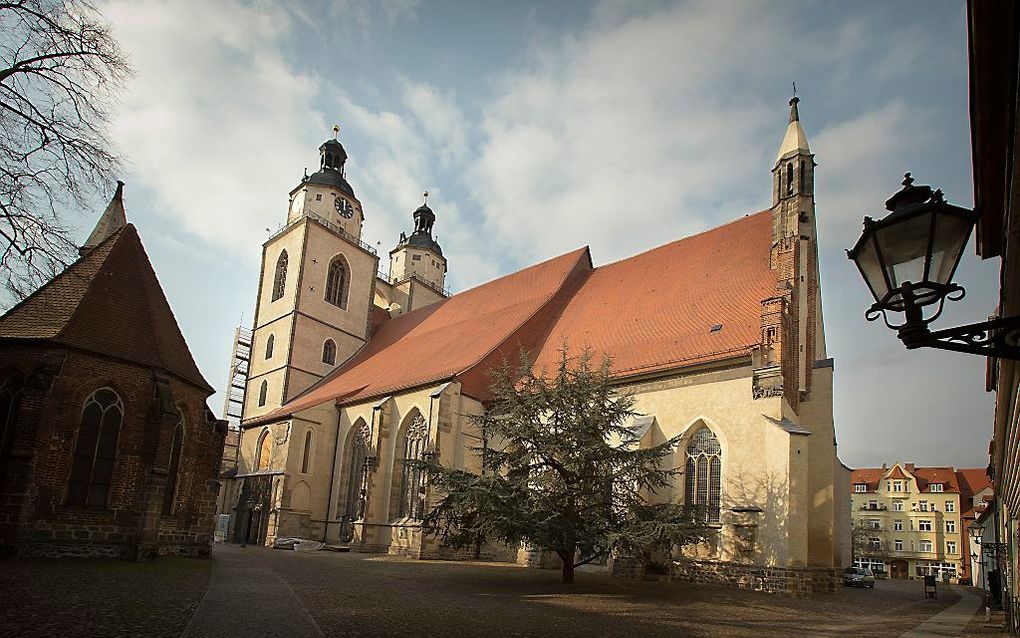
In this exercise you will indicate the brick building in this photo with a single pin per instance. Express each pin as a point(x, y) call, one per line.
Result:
point(107, 447)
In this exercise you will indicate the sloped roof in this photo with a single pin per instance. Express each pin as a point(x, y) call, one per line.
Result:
point(655, 311)
point(108, 302)
point(973, 480)
point(965, 481)
point(443, 339)
point(869, 476)
point(650, 313)
point(944, 475)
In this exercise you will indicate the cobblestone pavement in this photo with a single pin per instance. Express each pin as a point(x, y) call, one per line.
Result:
point(99, 597)
point(366, 595)
point(372, 595)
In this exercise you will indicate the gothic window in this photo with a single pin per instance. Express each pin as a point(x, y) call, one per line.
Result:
point(412, 488)
point(173, 473)
point(306, 452)
point(269, 346)
point(96, 448)
point(329, 352)
point(803, 189)
point(354, 497)
point(263, 390)
point(280, 279)
point(263, 451)
point(10, 403)
point(703, 474)
point(336, 282)
point(789, 178)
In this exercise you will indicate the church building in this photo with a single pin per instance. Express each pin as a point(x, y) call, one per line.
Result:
point(107, 447)
point(718, 336)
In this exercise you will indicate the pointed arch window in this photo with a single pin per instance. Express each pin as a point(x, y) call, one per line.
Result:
point(173, 472)
point(329, 352)
point(11, 390)
point(306, 452)
point(263, 451)
point(703, 473)
point(269, 346)
point(337, 280)
point(412, 487)
point(803, 173)
point(263, 391)
point(789, 178)
point(95, 450)
point(280, 278)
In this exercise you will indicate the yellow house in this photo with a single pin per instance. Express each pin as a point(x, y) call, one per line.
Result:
point(719, 337)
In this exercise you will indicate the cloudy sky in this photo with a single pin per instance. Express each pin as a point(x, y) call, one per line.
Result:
point(539, 127)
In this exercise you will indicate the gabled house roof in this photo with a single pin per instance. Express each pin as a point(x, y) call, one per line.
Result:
point(651, 313)
point(107, 302)
point(966, 482)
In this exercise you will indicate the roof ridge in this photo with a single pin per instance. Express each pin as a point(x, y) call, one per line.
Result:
point(731, 222)
point(67, 272)
point(585, 251)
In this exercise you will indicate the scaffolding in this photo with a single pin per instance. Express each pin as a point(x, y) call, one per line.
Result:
point(233, 403)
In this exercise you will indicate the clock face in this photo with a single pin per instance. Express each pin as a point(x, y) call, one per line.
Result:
point(344, 208)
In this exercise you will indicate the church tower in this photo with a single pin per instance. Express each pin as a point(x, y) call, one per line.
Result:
point(794, 242)
point(417, 268)
point(315, 288)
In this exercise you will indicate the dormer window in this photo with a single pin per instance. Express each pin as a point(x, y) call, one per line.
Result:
point(936, 487)
point(860, 487)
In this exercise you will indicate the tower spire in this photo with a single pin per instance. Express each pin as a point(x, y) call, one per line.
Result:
point(112, 220)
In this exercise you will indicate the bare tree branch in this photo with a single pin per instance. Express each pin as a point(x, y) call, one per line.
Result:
point(61, 71)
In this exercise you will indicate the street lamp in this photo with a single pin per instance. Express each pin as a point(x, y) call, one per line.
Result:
point(908, 259)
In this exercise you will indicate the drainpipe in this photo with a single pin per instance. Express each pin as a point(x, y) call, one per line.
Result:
point(332, 474)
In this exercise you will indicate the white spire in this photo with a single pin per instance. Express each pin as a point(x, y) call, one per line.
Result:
point(795, 140)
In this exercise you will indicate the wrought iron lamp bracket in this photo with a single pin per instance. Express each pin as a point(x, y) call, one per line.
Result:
point(998, 338)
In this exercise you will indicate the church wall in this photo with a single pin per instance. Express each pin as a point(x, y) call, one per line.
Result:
point(292, 241)
point(422, 295)
point(35, 519)
point(276, 381)
point(722, 400)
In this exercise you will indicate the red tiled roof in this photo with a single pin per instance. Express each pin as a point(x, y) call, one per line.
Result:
point(108, 302)
point(655, 311)
point(651, 312)
point(944, 475)
point(972, 480)
point(443, 339)
point(869, 476)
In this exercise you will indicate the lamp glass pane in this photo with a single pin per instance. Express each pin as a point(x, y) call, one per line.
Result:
point(951, 233)
point(904, 247)
point(871, 268)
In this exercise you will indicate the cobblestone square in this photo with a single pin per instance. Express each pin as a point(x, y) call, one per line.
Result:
point(254, 592)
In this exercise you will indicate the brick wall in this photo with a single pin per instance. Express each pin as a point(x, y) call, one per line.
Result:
point(34, 517)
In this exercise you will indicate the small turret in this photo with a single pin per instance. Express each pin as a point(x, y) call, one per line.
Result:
point(419, 254)
point(113, 219)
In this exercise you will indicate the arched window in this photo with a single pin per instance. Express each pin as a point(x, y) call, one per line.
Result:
point(280, 279)
point(306, 452)
point(10, 405)
point(329, 352)
point(704, 467)
point(269, 346)
point(92, 469)
point(263, 451)
point(789, 178)
point(412, 488)
point(336, 282)
point(173, 471)
point(263, 390)
point(354, 494)
point(803, 183)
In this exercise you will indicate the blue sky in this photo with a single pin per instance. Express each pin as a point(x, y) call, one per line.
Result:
point(541, 127)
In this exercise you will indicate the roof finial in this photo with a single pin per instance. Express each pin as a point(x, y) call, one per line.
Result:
point(426, 196)
point(794, 115)
point(336, 130)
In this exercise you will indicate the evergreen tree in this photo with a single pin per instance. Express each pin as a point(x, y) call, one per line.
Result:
point(562, 471)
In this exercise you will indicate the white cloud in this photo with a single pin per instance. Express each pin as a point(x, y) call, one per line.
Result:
point(216, 117)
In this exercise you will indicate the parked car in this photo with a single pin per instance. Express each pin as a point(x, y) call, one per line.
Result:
point(858, 577)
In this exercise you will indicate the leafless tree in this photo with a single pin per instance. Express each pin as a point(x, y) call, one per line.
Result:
point(60, 72)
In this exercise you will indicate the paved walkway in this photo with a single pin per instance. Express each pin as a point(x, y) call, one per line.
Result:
point(951, 621)
point(240, 577)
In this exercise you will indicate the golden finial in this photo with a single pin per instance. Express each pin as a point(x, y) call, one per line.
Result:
point(336, 130)
point(426, 195)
